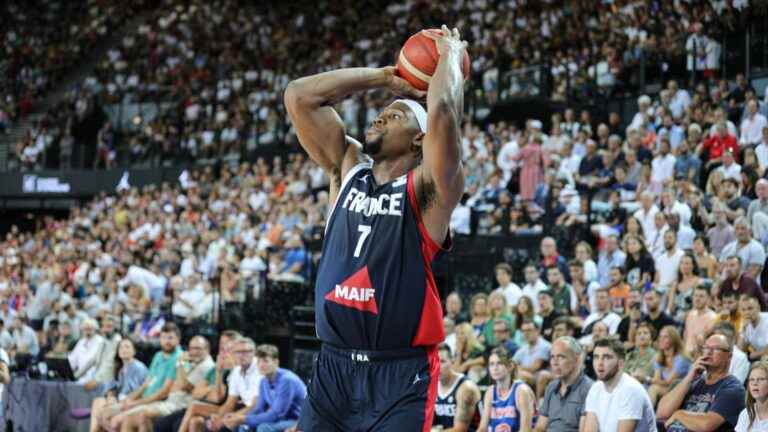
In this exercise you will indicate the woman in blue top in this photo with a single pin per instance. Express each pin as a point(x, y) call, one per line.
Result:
point(509, 404)
point(130, 374)
point(671, 364)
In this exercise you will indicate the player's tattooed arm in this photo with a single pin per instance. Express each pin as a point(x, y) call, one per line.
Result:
point(466, 405)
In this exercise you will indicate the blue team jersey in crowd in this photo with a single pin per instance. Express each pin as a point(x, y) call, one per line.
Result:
point(375, 289)
point(505, 416)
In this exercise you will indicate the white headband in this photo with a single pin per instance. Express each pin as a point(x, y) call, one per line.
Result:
point(418, 111)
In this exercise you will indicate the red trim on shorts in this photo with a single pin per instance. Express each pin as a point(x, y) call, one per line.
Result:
point(434, 377)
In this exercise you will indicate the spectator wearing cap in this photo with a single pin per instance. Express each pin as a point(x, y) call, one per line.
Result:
point(750, 251)
point(84, 357)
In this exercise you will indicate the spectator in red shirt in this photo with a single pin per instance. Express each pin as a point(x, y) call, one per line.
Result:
point(716, 146)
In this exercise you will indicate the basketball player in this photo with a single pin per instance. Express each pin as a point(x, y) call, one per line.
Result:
point(377, 308)
point(457, 398)
point(509, 404)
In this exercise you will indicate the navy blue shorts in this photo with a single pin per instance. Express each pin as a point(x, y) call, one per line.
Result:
point(356, 391)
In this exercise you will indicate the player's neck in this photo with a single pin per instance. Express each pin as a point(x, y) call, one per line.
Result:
point(386, 170)
point(447, 381)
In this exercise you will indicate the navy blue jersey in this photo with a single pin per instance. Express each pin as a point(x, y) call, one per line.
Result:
point(445, 408)
point(375, 289)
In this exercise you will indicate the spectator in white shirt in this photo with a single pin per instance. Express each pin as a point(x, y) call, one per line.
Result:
point(647, 214)
point(84, 356)
point(729, 168)
point(680, 99)
point(189, 297)
point(761, 151)
point(24, 338)
point(663, 165)
point(511, 291)
point(533, 284)
point(668, 262)
point(752, 126)
point(243, 383)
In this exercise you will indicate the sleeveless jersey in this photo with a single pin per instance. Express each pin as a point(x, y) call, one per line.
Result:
point(445, 408)
point(505, 416)
point(375, 289)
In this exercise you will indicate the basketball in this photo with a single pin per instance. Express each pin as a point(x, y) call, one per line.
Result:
point(418, 59)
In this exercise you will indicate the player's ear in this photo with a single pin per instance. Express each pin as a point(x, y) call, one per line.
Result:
point(417, 142)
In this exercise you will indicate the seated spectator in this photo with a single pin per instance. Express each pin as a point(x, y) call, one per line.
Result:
point(510, 290)
point(602, 313)
point(469, 353)
point(681, 291)
point(207, 396)
point(656, 315)
point(546, 314)
point(128, 376)
point(453, 308)
point(754, 330)
point(700, 318)
point(705, 401)
point(739, 361)
point(456, 407)
point(24, 338)
point(499, 312)
point(85, 355)
point(754, 417)
point(562, 407)
point(157, 385)
point(509, 402)
point(616, 401)
point(750, 251)
point(671, 364)
point(244, 383)
point(524, 311)
point(479, 313)
point(639, 363)
point(565, 300)
point(533, 284)
point(281, 395)
point(192, 371)
point(738, 283)
point(532, 356)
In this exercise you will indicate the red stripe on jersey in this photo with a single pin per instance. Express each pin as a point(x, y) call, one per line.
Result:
point(430, 330)
point(434, 377)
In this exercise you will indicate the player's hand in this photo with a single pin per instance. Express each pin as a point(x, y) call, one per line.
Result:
point(446, 39)
point(401, 87)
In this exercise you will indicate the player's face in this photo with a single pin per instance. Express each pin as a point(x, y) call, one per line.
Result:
point(606, 363)
point(392, 132)
point(498, 370)
point(445, 363)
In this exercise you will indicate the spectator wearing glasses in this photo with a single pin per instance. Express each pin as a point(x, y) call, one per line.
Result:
point(754, 418)
point(243, 385)
point(708, 398)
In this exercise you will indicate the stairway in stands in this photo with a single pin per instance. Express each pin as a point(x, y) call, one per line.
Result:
point(70, 81)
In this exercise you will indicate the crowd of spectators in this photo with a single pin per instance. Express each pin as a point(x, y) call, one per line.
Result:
point(41, 40)
point(214, 73)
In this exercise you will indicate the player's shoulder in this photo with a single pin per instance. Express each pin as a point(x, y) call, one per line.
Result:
point(353, 156)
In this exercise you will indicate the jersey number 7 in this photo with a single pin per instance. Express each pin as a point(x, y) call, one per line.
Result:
point(365, 231)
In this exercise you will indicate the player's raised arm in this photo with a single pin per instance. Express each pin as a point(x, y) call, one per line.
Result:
point(309, 102)
point(445, 104)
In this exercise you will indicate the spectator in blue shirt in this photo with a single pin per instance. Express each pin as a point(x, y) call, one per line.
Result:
point(281, 394)
point(293, 266)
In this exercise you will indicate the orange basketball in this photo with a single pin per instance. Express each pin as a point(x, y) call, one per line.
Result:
point(418, 59)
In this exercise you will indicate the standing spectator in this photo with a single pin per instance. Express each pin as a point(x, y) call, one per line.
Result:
point(754, 332)
point(562, 408)
point(705, 401)
point(616, 401)
point(532, 162)
point(754, 417)
point(456, 407)
point(508, 402)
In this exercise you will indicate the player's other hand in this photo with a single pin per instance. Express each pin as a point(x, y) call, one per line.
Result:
point(401, 87)
point(446, 39)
